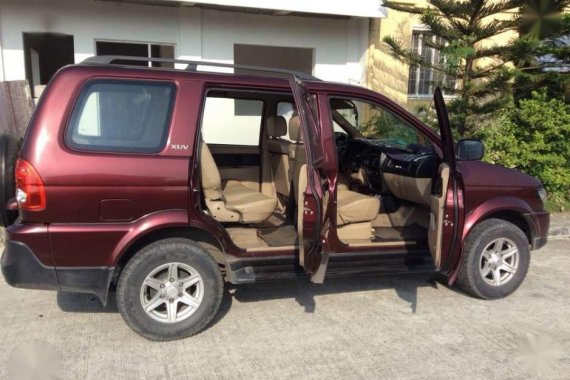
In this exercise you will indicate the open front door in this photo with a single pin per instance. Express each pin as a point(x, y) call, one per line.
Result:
point(447, 198)
point(313, 197)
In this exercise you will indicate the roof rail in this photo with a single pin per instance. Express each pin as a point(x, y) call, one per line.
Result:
point(193, 65)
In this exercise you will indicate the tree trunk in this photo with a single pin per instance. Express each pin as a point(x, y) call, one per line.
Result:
point(466, 85)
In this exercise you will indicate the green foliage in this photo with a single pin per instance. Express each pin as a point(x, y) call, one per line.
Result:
point(558, 205)
point(532, 133)
point(542, 53)
point(542, 19)
point(426, 113)
point(380, 124)
point(385, 126)
point(533, 137)
point(481, 89)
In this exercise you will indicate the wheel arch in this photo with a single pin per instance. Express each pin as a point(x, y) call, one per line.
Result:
point(199, 235)
point(510, 209)
point(513, 217)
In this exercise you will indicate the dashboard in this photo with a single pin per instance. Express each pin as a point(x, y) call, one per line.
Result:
point(406, 172)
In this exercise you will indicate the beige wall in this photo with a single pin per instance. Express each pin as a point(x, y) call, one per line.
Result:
point(389, 76)
point(386, 74)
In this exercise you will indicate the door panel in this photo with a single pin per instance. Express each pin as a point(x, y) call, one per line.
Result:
point(313, 243)
point(450, 214)
point(437, 214)
point(452, 223)
point(238, 162)
point(313, 224)
point(445, 132)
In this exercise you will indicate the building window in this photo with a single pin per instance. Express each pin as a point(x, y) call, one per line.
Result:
point(137, 49)
point(423, 80)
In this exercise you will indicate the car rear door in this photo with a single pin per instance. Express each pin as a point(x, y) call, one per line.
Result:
point(313, 216)
point(451, 222)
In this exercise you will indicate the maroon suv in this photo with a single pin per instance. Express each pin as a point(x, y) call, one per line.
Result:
point(157, 185)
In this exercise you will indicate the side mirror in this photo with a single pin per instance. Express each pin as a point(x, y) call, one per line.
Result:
point(470, 149)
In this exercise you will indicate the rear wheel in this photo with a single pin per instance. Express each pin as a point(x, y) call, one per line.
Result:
point(495, 260)
point(9, 150)
point(171, 289)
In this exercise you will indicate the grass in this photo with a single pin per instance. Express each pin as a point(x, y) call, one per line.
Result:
point(557, 205)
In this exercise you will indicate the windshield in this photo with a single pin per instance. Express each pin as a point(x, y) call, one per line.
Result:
point(376, 123)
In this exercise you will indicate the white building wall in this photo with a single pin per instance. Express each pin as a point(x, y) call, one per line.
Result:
point(1, 55)
point(339, 45)
point(360, 8)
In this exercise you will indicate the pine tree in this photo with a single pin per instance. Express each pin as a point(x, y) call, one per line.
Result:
point(475, 73)
point(542, 53)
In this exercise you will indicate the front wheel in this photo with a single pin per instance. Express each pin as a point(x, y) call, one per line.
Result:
point(495, 260)
point(171, 289)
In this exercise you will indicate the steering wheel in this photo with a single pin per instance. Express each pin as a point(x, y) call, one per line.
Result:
point(341, 139)
point(341, 142)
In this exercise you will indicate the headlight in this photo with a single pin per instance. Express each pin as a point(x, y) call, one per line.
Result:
point(542, 195)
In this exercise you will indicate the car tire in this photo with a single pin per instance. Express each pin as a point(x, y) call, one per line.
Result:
point(495, 260)
point(145, 281)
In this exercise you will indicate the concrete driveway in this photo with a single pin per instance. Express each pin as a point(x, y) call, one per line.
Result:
point(391, 327)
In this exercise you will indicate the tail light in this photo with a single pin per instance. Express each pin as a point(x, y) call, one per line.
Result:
point(30, 189)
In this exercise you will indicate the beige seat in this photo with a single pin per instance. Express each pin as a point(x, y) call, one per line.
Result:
point(353, 207)
point(297, 156)
point(355, 211)
point(278, 150)
point(233, 202)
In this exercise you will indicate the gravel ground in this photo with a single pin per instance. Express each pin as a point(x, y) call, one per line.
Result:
point(391, 327)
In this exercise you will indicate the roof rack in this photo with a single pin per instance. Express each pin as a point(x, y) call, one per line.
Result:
point(193, 65)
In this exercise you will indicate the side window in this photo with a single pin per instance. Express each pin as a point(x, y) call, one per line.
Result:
point(230, 121)
point(122, 116)
point(375, 122)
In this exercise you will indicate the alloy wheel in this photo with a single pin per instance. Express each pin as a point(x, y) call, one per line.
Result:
point(499, 262)
point(172, 292)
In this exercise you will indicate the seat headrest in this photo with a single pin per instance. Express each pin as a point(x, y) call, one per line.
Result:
point(276, 126)
point(295, 129)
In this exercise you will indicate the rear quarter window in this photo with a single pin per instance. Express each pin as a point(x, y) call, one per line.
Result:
point(121, 116)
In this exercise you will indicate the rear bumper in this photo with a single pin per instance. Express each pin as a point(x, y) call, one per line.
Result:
point(21, 269)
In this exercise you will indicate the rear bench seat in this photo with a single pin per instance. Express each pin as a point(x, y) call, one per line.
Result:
point(234, 202)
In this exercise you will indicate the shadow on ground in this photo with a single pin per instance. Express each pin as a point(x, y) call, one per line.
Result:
point(302, 290)
point(85, 303)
